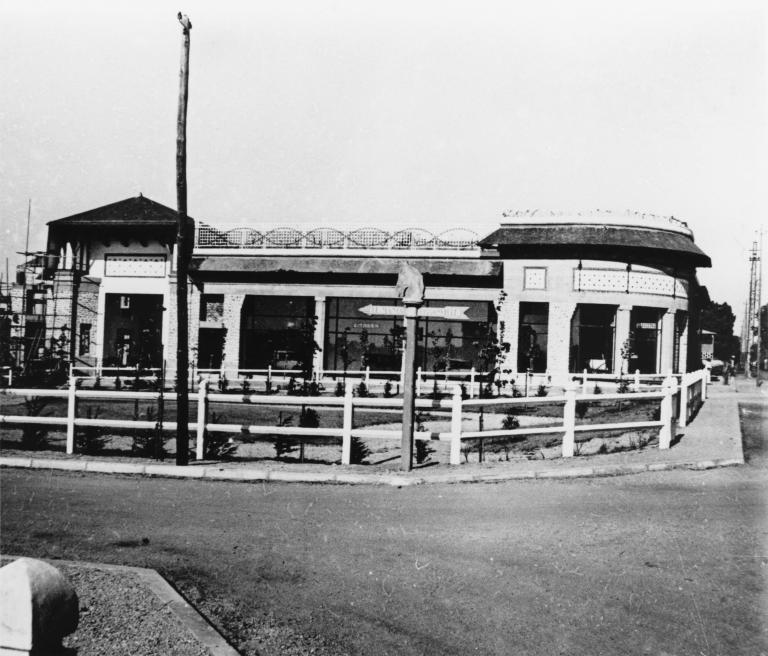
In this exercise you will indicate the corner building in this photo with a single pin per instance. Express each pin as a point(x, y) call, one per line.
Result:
point(606, 292)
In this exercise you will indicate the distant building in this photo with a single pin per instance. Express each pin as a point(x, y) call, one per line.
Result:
point(599, 291)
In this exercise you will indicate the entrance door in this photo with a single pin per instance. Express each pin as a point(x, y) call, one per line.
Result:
point(133, 325)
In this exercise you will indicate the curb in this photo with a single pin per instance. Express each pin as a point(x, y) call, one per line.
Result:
point(203, 631)
point(394, 480)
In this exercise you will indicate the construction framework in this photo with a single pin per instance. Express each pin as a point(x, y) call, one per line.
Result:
point(751, 326)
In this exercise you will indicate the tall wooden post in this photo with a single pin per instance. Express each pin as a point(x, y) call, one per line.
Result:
point(183, 252)
point(409, 385)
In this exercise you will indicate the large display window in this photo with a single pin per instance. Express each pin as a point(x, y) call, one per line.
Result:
point(533, 337)
point(277, 331)
point(356, 340)
point(645, 332)
point(592, 338)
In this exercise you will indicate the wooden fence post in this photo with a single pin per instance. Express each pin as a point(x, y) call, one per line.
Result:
point(584, 389)
point(456, 412)
point(682, 420)
point(703, 373)
point(666, 416)
point(472, 374)
point(346, 429)
point(569, 420)
point(418, 382)
point(71, 413)
point(637, 380)
point(202, 417)
point(367, 376)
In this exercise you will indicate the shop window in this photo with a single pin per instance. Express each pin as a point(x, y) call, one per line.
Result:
point(277, 331)
point(532, 339)
point(645, 342)
point(592, 338)
point(355, 340)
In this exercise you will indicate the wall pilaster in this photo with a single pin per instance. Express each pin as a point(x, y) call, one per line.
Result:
point(620, 365)
point(233, 307)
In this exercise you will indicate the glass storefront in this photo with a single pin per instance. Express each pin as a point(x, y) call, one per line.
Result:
point(533, 337)
point(277, 331)
point(645, 331)
point(355, 340)
point(592, 338)
point(133, 330)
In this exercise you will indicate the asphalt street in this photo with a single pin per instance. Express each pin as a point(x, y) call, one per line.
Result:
point(670, 562)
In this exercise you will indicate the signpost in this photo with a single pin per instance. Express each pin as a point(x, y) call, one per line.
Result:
point(410, 286)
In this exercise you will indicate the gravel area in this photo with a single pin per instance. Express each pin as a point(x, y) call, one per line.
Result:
point(120, 616)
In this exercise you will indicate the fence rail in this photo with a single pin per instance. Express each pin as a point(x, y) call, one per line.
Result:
point(678, 404)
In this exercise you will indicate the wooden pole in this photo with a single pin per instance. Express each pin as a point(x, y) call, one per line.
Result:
point(409, 386)
point(182, 256)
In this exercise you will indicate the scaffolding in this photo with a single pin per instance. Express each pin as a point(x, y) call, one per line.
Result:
point(35, 313)
point(751, 328)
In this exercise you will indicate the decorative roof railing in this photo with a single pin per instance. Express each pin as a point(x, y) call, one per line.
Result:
point(242, 237)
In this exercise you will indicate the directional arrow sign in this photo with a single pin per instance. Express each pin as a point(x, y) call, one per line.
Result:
point(453, 312)
point(388, 310)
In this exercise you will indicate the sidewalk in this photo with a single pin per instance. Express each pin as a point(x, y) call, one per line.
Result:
point(713, 439)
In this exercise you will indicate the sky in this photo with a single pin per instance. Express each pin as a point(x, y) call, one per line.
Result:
point(425, 114)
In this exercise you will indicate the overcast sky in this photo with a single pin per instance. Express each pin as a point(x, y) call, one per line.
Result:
point(433, 114)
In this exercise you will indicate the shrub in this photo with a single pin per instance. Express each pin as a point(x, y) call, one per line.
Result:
point(34, 436)
point(362, 389)
point(339, 391)
point(246, 385)
point(542, 390)
point(581, 409)
point(283, 443)
point(510, 421)
point(91, 439)
point(623, 386)
point(516, 393)
point(309, 418)
point(218, 446)
point(597, 389)
point(311, 388)
point(223, 383)
point(359, 451)
point(387, 389)
point(291, 387)
point(149, 442)
point(423, 451)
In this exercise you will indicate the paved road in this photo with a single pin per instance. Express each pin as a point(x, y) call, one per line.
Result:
point(668, 563)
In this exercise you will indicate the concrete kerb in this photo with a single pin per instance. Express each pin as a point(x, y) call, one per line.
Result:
point(205, 633)
point(244, 474)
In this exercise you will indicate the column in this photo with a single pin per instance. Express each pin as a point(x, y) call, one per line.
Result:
point(667, 354)
point(621, 335)
point(233, 307)
point(559, 341)
point(317, 363)
point(194, 325)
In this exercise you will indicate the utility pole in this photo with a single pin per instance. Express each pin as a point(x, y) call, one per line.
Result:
point(183, 252)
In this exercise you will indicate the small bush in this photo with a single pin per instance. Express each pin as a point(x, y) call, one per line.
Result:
point(359, 451)
point(223, 384)
point(339, 391)
point(597, 389)
point(516, 393)
point(33, 436)
point(246, 385)
point(423, 451)
point(284, 444)
point(309, 418)
point(267, 386)
point(218, 446)
point(387, 389)
point(149, 442)
point(542, 390)
point(623, 386)
point(510, 421)
point(90, 440)
point(291, 387)
point(362, 390)
point(581, 409)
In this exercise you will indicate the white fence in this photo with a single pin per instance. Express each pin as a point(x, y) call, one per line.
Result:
point(677, 405)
